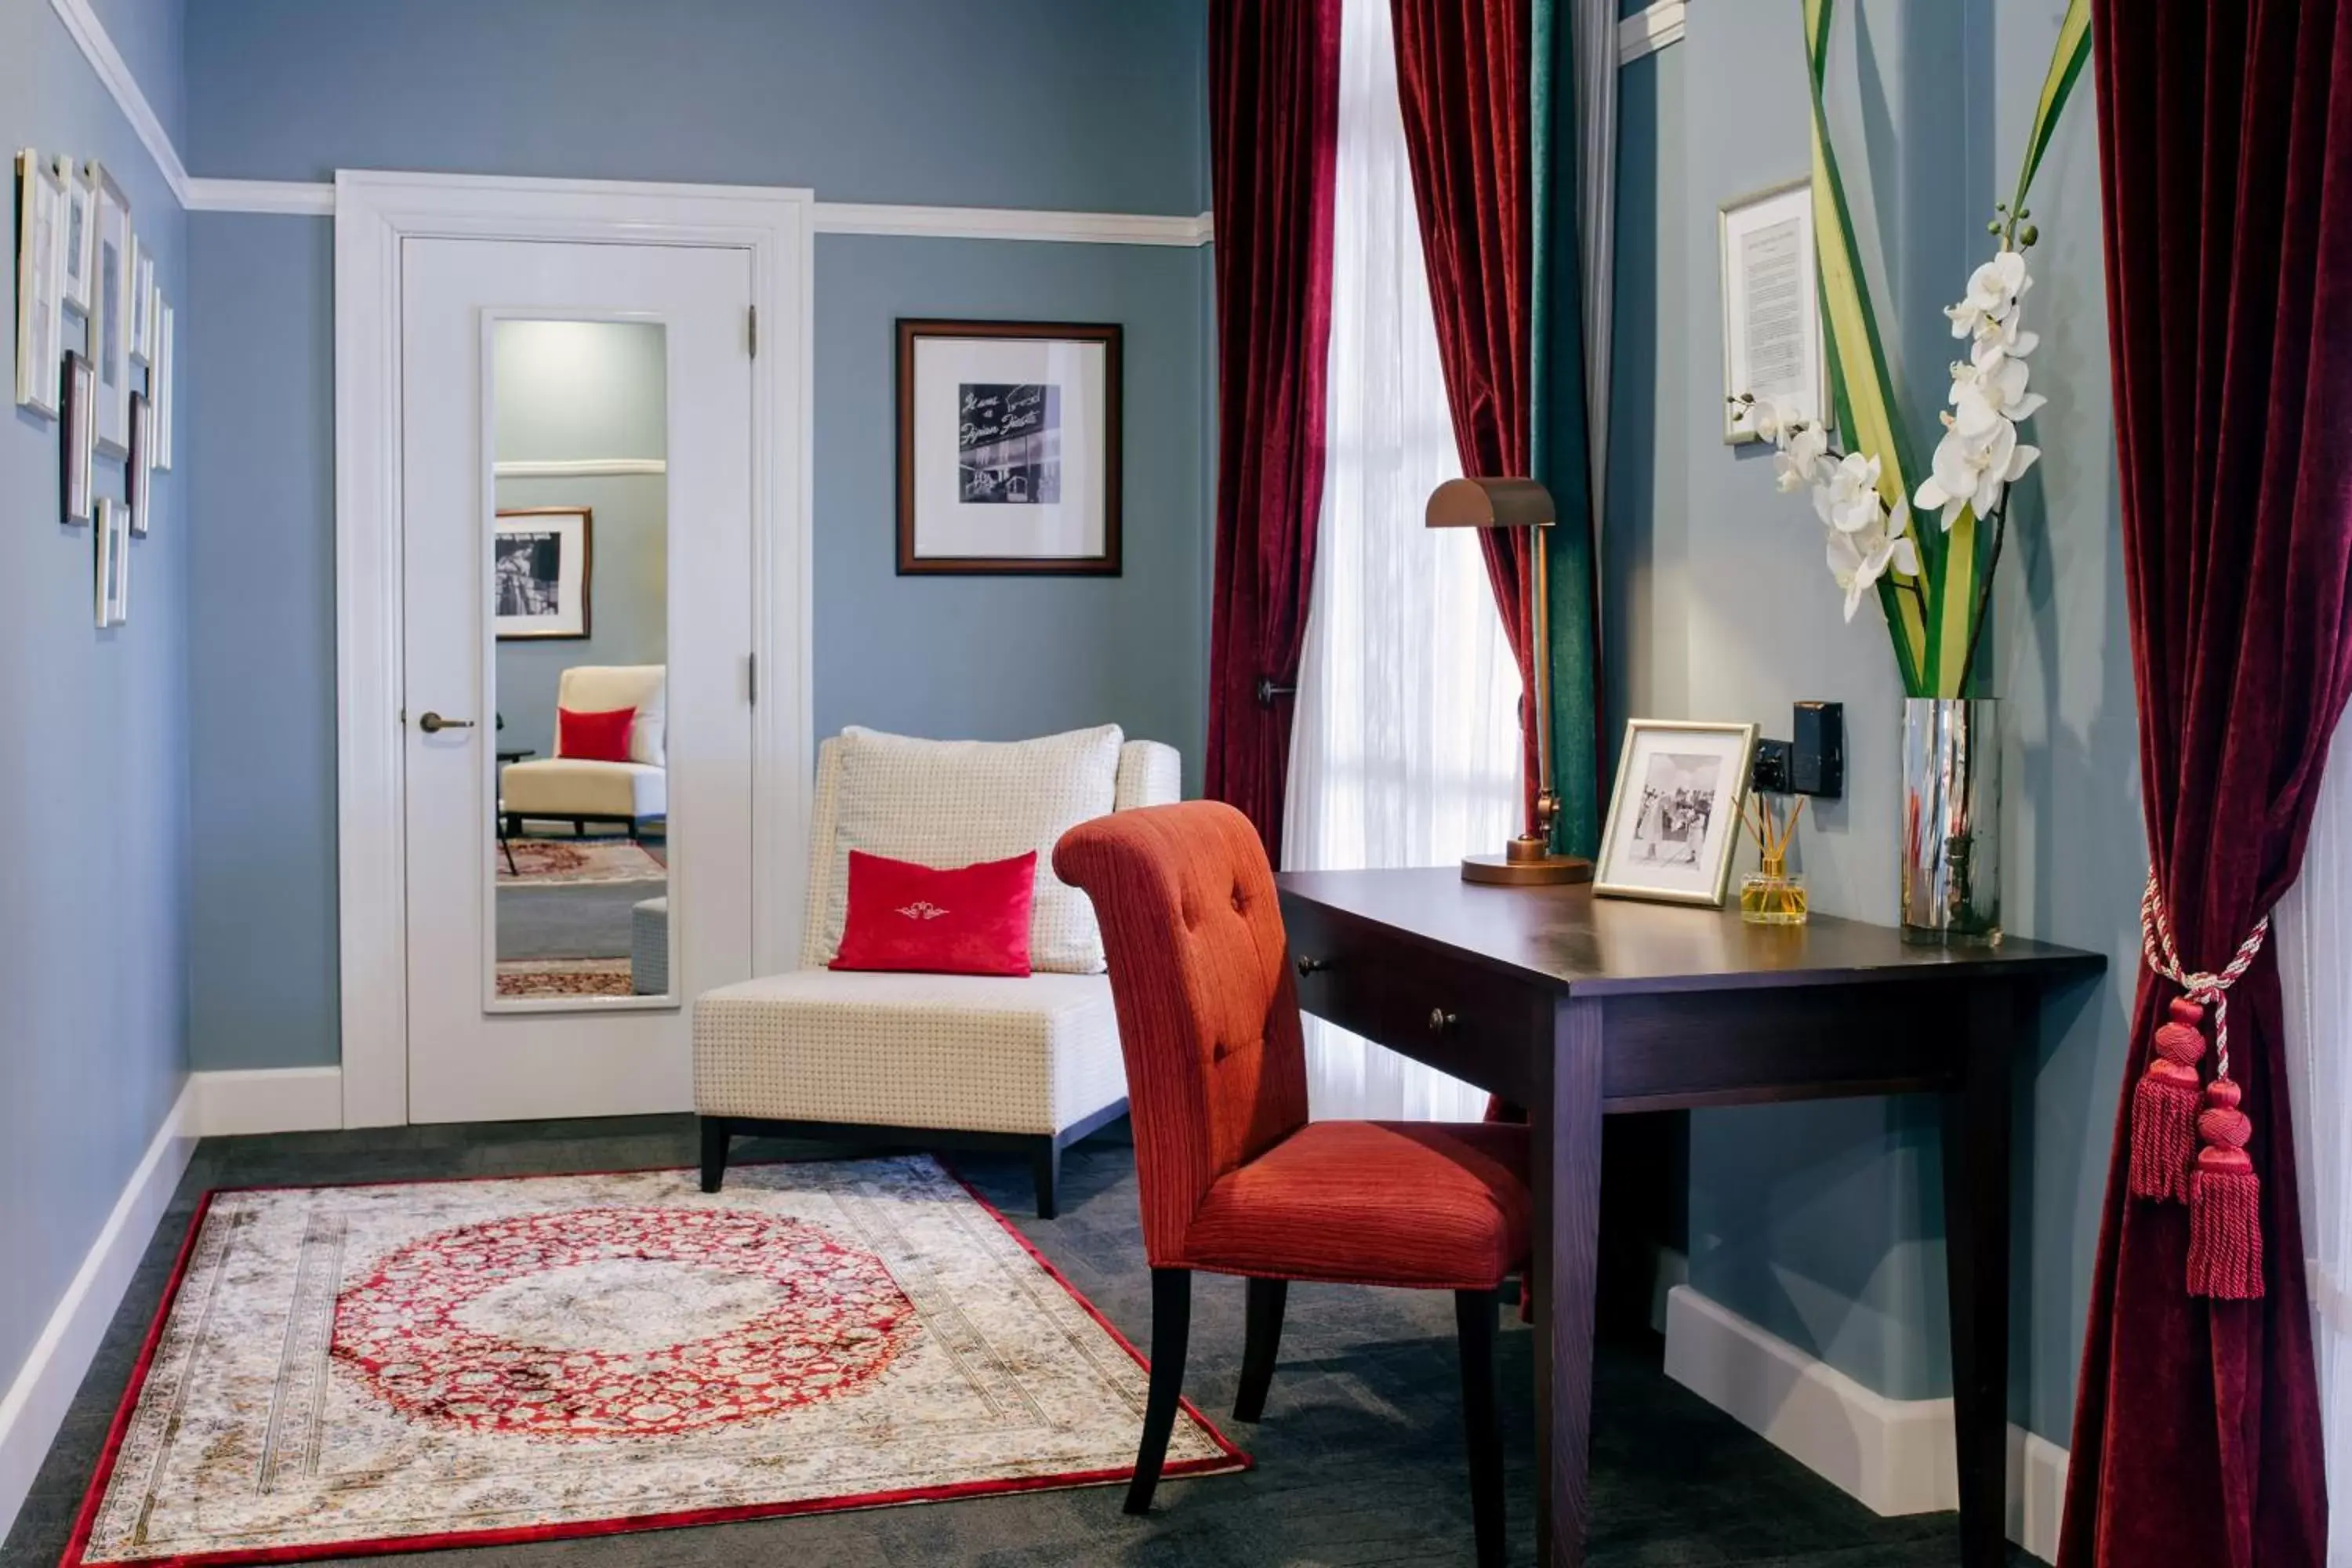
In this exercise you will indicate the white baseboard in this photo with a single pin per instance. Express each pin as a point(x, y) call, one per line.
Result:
point(1894, 1456)
point(276, 1099)
point(36, 1403)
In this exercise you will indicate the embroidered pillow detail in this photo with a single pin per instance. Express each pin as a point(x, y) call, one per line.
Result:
point(593, 737)
point(911, 919)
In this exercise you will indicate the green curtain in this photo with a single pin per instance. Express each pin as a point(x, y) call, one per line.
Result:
point(1561, 455)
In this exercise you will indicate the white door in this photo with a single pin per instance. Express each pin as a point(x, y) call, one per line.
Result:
point(576, 497)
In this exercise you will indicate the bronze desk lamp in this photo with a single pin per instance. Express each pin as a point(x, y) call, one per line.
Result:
point(1519, 503)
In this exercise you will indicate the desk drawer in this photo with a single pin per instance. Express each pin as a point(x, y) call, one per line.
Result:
point(1420, 1001)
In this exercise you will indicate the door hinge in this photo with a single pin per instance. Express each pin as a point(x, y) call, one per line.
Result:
point(755, 332)
point(752, 660)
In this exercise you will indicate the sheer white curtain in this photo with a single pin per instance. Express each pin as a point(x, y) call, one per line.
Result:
point(2314, 931)
point(1405, 748)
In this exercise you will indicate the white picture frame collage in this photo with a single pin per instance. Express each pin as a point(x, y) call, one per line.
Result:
point(96, 352)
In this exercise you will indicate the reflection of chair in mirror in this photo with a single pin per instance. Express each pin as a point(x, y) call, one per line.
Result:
point(629, 787)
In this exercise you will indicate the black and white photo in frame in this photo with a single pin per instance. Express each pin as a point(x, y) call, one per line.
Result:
point(1673, 816)
point(77, 435)
point(158, 383)
point(1771, 309)
point(110, 319)
point(40, 252)
point(1009, 447)
point(540, 560)
point(138, 481)
point(110, 550)
point(78, 260)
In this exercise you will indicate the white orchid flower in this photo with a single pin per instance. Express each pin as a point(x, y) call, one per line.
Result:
point(1857, 561)
point(2007, 336)
point(1803, 454)
point(1971, 467)
point(1848, 498)
point(1993, 291)
point(1766, 417)
point(1991, 388)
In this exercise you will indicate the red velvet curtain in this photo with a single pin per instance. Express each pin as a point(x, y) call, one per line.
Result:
point(1463, 72)
point(1274, 90)
point(2225, 141)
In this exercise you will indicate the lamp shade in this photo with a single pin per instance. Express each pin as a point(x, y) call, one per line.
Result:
point(1491, 504)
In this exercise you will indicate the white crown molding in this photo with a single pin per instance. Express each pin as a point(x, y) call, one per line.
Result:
point(1011, 223)
point(114, 73)
point(577, 467)
point(36, 1403)
point(1894, 1456)
point(292, 198)
point(1647, 32)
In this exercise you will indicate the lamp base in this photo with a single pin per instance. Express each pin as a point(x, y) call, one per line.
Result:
point(1526, 863)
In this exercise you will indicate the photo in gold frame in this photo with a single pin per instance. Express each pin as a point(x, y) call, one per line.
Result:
point(1673, 816)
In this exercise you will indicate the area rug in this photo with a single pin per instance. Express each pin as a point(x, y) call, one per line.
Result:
point(553, 861)
point(340, 1371)
point(524, 977)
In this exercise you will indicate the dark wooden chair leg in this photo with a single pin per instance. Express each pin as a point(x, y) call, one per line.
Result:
point(1045, 1166)
point(715, 1139)
point(1171, 1327)
point(1474, 1317)
point(1264, 1338)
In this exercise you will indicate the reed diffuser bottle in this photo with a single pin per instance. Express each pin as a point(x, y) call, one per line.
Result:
point(1772, 895)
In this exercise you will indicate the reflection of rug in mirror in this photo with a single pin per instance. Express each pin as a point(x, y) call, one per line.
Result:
point(551, 861)
point(563, 977)
point(340, 1371)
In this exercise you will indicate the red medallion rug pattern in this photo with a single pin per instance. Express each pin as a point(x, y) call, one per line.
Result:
point(348, 1369)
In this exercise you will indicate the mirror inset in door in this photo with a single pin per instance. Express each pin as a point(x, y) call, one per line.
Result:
point(579, 594)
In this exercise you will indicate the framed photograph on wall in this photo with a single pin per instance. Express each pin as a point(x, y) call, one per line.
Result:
point(111, 548)
point(110, 319)
point(40, 251)
point(79, 238)
point(1674, 816)
point(158, 383)
point(542, 561)
point(1771, 307)
point(1009, 447)
point(77, 435)
point(138, 485)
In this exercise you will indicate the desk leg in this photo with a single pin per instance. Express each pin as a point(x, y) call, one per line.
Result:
point(1565, 1129)
point(1976, 1247)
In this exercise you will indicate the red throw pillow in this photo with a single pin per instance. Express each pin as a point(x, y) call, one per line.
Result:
point(595, 737)
point(973, 920)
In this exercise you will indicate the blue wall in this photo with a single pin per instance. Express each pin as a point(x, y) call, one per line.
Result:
point(93, 928)
point(1051, 105)
point(1823, 1222)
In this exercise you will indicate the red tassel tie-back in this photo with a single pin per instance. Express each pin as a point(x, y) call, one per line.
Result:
point(2217, 1182)
point(2164, 1107)
point(2225, 1217)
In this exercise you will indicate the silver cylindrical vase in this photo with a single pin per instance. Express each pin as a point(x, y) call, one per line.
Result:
point(1951, 821)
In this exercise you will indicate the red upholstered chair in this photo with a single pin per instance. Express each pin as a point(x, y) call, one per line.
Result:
point(1234, 1178)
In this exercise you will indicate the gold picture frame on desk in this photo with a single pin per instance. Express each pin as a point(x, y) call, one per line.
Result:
point(1674, 815)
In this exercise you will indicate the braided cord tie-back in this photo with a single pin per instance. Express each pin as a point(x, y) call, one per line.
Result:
point(2224, 1193)
point(2156, 944)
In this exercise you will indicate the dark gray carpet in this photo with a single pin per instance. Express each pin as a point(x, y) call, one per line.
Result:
point(1360, 1458)
point(570, 920)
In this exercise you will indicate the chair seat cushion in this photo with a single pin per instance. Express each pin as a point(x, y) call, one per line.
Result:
point(1440, 1206)
point(563, 786)
point(969, 1052)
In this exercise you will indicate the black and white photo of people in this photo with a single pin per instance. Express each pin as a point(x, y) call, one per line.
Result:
point(1677, 803)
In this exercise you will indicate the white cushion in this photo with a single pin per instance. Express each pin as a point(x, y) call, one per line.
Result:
point(980, 1053)
point(603, 688)
point(955, 803)
point(574, 786)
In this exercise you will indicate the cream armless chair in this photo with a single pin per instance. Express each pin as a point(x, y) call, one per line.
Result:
point(926, 1061)
point(579, 790)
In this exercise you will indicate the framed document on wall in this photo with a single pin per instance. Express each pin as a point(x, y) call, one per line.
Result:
point(1771, 307)
point(1008, 447)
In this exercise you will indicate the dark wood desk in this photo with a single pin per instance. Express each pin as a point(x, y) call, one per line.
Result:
point(1578, 1007)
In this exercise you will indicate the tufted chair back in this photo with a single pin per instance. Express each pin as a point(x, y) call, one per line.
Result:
point(1208, 1014)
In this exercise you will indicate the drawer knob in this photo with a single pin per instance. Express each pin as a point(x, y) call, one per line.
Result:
point(1307, 966)
point(1440, 1020)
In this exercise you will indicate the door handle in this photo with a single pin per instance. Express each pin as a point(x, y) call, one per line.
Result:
point(432, 723)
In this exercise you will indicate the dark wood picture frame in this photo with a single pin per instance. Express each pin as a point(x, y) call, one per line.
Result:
point(1110, 334)
point(587, 517)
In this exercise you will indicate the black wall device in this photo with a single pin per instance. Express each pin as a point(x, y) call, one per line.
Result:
point(1813, 762)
